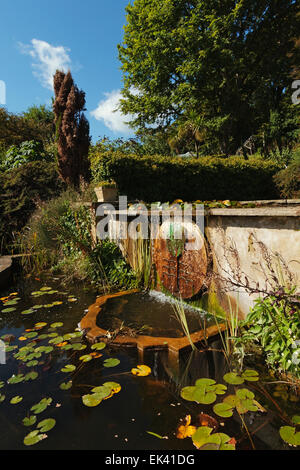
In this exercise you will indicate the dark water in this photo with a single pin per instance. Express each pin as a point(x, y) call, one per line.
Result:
point(144, 404)
point(149, 314)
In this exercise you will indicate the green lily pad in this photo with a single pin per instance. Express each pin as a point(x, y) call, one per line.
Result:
point(32, 438)
point(46, 425)
point(205, 391)
point(2, 398)
point(224, 410)
point(56, 325)
point(289, 435)
point(112, 362)
point(86, 358)
point(27, 312)
point(295, 419)
point(16, 400)
point(68, 368)
point(29, 421)
point(41, 406)
point(16, 379)
point(233, 378)
point(8, 310)
point(31, 376)
point(66, 385)
point(250, 375)
point(98, 346)
point(92, 400)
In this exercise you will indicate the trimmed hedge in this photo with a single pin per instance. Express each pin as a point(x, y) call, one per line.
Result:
point(156, 178)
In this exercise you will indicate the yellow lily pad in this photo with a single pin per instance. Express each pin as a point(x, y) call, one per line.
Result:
point(141, 371)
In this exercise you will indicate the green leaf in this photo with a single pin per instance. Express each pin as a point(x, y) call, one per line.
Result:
point(112, 362)
point(66, 385)
point(92, 400)
point(46, 425)
point(68, 368)
point(41, 406)
point(16, 400)
point(224, 410)
point(233, 378)
point(98, 346)
point(289, 435)
point(32, 438)
point(29, 421)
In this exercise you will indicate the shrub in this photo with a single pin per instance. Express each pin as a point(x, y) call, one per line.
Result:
point(22, 189)
point(288, 180)
point(156, 178)
point(28, 151)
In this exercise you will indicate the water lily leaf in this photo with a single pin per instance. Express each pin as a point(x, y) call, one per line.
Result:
point(250, 375)
point(78, 346)
point(2, 398)
point(8, 310)
point(141, 371)
point(41, 406)
point(295, 419)
point(185, 430)
point(27, 312)
point(32, 363)
point(289, 435)
point(200, 437)
point(16, 379)
point(30, 335)
point(56, 325)
point(112, 362)
point(225, 410)
point(56, 340)
point(68, 368)
point(32, 438)
point(29, 421)
point(87, 358)
point(46, 425)
point(233, 378)
point(92, 400)
point(40, 324)
point(45, 288)
point(98, 346)
point(223, 441)
point(16, 400)
point(2, 384)
point(38, 307)
point(11, 302)
point(66, 385)
point(31, 376)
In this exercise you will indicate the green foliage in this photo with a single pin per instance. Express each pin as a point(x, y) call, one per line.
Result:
point(22, 189)
point(59, 234)
point(28, 151)
point(288, 180)
point(157, 178)
point(275, 325)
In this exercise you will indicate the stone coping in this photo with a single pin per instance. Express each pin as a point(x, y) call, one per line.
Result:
point(141, 342)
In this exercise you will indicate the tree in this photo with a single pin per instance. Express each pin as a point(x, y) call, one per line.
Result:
point(72, 130)
point(228, 61)
point(43, 118)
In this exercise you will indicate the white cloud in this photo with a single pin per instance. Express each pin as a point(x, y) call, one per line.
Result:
point(108, 112)
point(47, 59)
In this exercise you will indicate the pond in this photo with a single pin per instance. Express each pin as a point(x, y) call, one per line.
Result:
point(47, 374)
point(150, 314)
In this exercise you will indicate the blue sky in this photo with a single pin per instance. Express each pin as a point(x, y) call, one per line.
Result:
point(38, 35)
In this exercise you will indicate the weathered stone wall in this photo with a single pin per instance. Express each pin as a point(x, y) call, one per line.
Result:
point(250, 243)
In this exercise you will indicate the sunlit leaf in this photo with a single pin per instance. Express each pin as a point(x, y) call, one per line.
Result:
point(29, 421)
point(112, 362)
point(141, 371)
point(68, 368)
point(16, 400)
point(46, 425)
point(185, 429)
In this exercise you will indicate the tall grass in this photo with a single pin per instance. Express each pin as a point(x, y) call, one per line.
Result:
point(179, 312)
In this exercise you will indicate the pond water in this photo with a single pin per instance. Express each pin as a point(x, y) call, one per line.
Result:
point(150, 314)
point(144, 405)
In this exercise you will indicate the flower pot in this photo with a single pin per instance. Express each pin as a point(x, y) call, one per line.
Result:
point(106, 193)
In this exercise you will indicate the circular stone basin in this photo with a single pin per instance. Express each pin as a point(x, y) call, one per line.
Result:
point(150, 314)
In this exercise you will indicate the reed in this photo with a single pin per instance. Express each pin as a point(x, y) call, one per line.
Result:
point(178, 308)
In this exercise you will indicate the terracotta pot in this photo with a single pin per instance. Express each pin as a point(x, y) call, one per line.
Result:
point(106, 193)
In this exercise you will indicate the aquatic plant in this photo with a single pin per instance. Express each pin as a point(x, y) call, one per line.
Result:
point(179, 312)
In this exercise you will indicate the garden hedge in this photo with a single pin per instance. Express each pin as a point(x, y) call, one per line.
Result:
point(157, 178)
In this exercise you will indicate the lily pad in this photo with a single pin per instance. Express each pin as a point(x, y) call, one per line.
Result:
point(66, 385)
point(30, 421)
point(233, 378)
point(41, 406)
point(46, 425)
point(289, 435)
point(16, 400)
point(32, 438)
point(112, 362)
point(98, 346)
point(92, 400)
point(68, 368)
point(141, 371)
point(8, 310)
